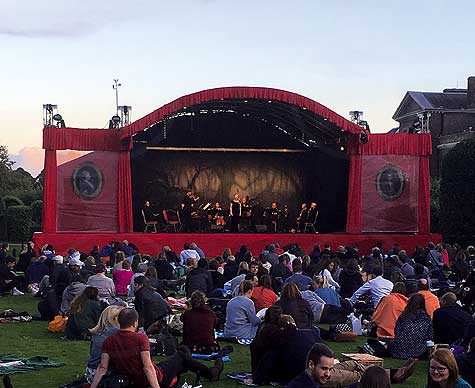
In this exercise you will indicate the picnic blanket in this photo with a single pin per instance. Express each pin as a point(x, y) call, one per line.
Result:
point(10, 363)
point(209, 357)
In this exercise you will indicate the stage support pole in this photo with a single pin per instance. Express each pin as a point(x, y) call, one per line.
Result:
point(424, 195)
point(49, 192)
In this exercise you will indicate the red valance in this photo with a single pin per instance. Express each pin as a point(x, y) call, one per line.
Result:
point(240, 92)
point(81, 139)
point(392, 144)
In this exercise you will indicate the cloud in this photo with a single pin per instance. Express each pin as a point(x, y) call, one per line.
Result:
point(59, 18)
point(31, 159)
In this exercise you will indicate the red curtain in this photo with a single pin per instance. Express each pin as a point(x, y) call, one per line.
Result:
point(125, 193)
point(81, 139)
point(353, 218)
point(424, 195)
point(392, 144)
point(49, 192)
point(241, 93)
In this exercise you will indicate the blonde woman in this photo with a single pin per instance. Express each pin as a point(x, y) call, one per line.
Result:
point(106, 326)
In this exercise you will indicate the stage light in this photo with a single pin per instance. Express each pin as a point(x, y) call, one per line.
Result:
point(363, 137)
point(57, 117)
point(114, 122)
point(342, 148)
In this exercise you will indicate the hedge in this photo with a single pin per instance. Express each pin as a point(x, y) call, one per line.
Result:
point(19, 223)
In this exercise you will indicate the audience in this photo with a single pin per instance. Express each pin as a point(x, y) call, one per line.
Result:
point(444, 372)
point(466, 363)
point(350, 279)
point(199, 279)
point(104, 284)
point(293, 304)
point(302, 281)
point(122, 278)
point(431, 301)
point(263, 295)
point(376, 286)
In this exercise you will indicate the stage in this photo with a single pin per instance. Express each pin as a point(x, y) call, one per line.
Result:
point(213, 244)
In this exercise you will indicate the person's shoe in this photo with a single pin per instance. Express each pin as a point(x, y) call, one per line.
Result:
point(226, 350)
point(404, 372)
point(16, 291)
point(216, 369)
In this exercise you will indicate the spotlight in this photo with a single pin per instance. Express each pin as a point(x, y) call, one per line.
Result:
point(114, 122)
point(342, 148)
point(57, 117)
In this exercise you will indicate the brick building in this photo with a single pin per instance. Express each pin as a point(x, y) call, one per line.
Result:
point(448, 115)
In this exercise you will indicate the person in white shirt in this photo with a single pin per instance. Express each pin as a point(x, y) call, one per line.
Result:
point(188, 253)
point(328, 266)
point(376, 286)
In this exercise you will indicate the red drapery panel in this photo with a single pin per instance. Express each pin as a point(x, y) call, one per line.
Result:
point(240, 92)
point(125, 193)
point(392, 144)
point(81, 139)
point(424, 195)
point(49, 192)
point(353, 218)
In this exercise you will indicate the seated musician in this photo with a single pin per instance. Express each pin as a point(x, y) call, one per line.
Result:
point(313, 214)
point(302, 218)
point(216, 215)
point(246, 208)
point(273, 217)
point(148, 213)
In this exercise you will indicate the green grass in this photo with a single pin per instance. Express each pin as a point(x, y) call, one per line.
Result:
point(33, 338)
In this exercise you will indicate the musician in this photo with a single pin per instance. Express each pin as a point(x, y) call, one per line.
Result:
point(235, 211)
point(312, 214)
point(216, 215)
point(273, 217)
point(187, 211)
point(148, 213)
point(302, 218)
point(246, 210)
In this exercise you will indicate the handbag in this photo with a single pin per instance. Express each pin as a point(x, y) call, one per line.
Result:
point(58, 324)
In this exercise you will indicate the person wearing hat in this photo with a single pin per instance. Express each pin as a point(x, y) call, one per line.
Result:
point(63, 276)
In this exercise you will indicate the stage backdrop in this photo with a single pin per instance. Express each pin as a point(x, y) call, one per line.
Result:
point(87, 192)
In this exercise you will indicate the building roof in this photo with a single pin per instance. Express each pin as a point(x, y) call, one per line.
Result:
point(449, 99)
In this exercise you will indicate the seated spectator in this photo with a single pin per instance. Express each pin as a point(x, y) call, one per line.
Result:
point(413, 330)
point(281, 269)
point(26, 257)
point(302, 281)
point(9, 281)
point(165, 270)
point(376, 286)
point(443, 371)
point(104, 284)
point(450, 320)
point(198, 249)
point(199, 279)
point(431, 301)
point(89, 268)
point(151, 275)
point(128, 353)
point(321, 288)
point(374, 377)
point(466, 363)
point(188, 253)
point(388, 311)
point(407, 266)
point(217, 278)
point(460, 267)
point(37, 270)
point(84, 313)
point(122, 278)
point(249, 276)
point(149, 304)
point(328, 265)
point(241, 319)
point(198, 326)
point(172, 256)
point(119, 258)
point(350, 279)
point(263, 295)
point(69, 294)
point(293, 304)
point(107, 325)
point(230, 268)
point(269, 340)
point(141, 269)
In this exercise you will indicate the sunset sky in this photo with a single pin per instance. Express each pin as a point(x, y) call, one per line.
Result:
point(344, 54)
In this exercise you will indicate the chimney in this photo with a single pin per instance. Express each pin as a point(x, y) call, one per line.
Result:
point(471, 93)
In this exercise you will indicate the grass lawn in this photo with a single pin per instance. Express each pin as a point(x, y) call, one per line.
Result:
point(33, 338)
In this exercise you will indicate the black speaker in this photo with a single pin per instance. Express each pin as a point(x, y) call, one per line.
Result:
point(261, 228)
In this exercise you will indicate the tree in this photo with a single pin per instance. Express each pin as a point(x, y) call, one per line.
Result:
point(457, 194)
point(5, 158)
point(435, 205)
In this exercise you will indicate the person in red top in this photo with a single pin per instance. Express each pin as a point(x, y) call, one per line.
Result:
point(198, 326)
point(263, 295)
point(122, 277)
point(129, 354)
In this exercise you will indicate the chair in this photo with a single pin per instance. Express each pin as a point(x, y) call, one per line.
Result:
point(152, 224)
point(172, 219)
point(311, 225)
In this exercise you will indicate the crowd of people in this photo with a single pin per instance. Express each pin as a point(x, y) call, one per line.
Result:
point(117, 297)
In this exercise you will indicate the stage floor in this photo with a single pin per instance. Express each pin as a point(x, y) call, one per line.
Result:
point(213, 244)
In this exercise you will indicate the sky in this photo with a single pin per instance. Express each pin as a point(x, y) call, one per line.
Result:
point(347, 55)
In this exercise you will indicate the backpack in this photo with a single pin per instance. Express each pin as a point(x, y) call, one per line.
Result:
point(163, 343)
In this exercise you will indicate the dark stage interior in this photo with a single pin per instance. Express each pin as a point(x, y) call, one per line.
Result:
point(287, 159)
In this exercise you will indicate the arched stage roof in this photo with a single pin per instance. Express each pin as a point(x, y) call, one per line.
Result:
point(292, 112)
